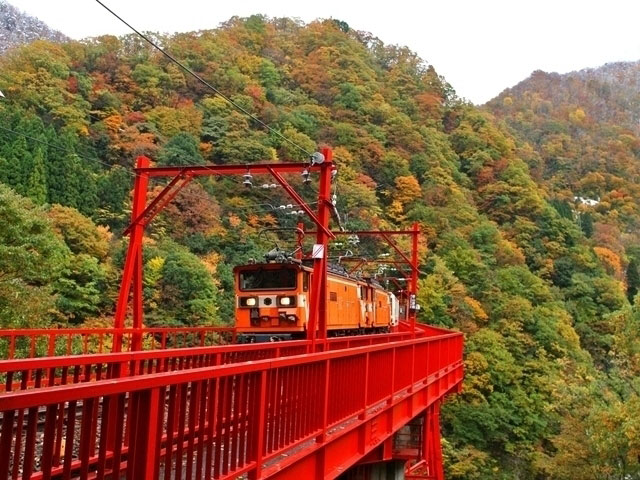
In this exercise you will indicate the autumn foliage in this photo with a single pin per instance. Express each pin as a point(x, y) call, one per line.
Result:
point(534, 279)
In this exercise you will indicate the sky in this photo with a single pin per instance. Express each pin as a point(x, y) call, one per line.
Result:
point(481, 47)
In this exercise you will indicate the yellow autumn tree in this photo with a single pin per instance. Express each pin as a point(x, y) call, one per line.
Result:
point(407, 190)
point(610, 261)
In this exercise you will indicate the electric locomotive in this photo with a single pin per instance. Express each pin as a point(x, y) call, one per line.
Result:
point(272, 301)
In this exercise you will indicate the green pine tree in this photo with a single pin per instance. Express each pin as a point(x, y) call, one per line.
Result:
point(586, 224)
point(17, 164)
point(633, 279)
point(37, 184)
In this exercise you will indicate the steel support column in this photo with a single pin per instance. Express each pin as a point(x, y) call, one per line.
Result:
point(414, 278)
point(132, 274)
point(317, 327)
point(432, 447)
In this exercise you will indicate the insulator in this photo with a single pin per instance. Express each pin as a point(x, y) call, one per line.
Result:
point(273, 185)
point(306, 177)
point(317, 158)
point(289, 205)
point(334, 199)
point(265, 185)
point(282, 207)
point(247, 180)
point(300, 212)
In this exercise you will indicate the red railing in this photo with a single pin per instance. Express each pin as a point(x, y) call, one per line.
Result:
point(49, 342)
point(260, 418)
point(23, 374)
point(54, 342)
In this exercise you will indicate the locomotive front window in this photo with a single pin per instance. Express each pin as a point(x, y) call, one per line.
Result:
point(268, 279)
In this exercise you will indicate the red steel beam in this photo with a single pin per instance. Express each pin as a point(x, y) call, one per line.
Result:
point(370, 232)
point(407, 260)
point(413, 291)
point(132, 274)
point(317, 324)
point(203, 170)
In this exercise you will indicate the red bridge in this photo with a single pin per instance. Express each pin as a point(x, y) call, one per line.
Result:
point(140, 403)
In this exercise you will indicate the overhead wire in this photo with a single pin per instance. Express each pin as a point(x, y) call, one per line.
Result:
point(57, 147)
point(85, 158)
point(216, 91)
point(201, 80)
point(238, 107)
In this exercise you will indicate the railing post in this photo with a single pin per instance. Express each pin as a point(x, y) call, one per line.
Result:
point(325, 401)
point(258, 445)
point(323, 413)
point(51, 350)
point(367, 359)
point(393, 376)
point(363, 414)
point(12, 346)
point(145, 437)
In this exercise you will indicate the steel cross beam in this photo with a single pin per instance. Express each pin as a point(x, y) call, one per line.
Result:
point(371, 232)
point(209, 170)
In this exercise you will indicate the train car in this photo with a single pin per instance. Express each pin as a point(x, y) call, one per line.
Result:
point(272, 302)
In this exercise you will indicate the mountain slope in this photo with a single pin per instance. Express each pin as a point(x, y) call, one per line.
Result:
point(584, 130)
point(580, 135)
point(517, 275)
point(17, 28)
point(610, 94)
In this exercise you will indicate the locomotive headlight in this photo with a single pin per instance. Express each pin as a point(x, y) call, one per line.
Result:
point(248, 301)
point(287, 301)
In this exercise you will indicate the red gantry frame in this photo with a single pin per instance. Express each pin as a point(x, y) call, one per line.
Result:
point(143, 213)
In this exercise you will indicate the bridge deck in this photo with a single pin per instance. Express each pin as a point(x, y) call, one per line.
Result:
point(265, 411)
